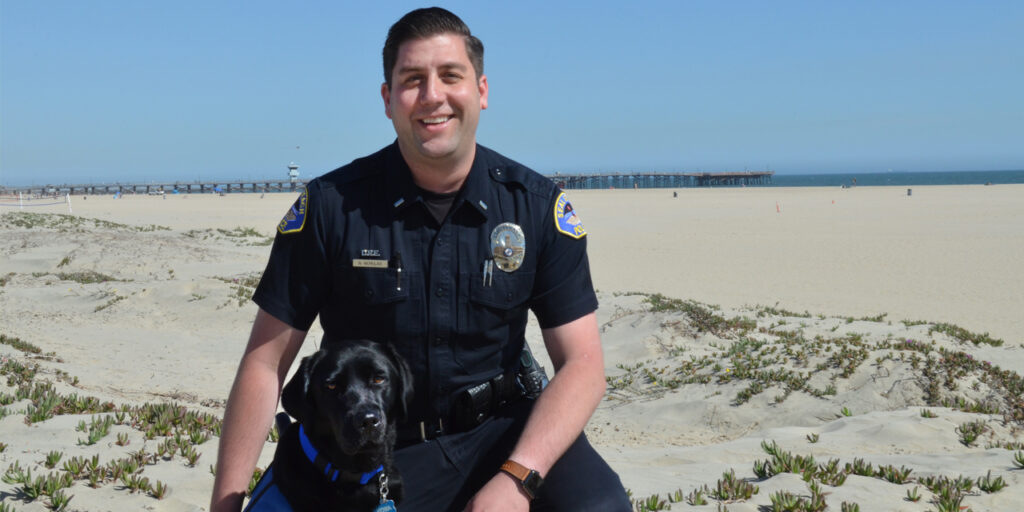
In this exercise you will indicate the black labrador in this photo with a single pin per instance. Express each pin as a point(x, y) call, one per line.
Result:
point(347, 399)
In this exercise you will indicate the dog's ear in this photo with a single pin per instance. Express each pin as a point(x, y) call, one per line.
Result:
point(403, 387)
point(295, 397)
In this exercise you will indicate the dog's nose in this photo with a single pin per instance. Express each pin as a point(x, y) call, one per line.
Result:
point(371, 421)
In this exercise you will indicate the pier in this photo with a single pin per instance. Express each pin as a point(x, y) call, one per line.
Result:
point(156, 188)
point(662, 179)
point(565, 181)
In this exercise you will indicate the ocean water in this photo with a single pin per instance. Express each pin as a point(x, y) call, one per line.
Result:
point(898, 179)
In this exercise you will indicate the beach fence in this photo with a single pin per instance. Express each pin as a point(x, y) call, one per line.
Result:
point(21, 202)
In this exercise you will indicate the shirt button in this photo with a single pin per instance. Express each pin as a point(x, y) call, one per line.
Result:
point(368, 293)
point(508, 296)
point(439, 292)
point(438, 341)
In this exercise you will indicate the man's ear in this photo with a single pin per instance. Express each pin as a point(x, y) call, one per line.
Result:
point(482, 86)
point(295, 397)
point(385, 93)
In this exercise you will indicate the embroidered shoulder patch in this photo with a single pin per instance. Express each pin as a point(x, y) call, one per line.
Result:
point(295, 219)
point(566, 220)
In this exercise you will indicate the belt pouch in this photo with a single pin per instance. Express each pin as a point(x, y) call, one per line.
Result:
point(474, 405)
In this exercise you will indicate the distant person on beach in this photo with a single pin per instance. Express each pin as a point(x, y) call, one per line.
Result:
point(440, 247)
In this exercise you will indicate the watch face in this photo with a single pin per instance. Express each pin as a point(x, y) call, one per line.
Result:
point(532, 483)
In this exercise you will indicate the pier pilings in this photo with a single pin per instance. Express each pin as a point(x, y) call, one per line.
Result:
point(566, 181)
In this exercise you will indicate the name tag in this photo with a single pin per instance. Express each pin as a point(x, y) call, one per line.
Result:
point(361, 263)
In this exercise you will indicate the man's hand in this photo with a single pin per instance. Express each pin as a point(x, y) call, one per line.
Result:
point(502, 493)
point(559, 415)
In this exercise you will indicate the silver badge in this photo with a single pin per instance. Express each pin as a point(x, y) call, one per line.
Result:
point(508, 246)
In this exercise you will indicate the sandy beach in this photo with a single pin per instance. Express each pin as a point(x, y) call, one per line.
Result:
point(863, 325)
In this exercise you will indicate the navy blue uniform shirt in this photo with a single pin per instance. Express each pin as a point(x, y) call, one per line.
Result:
point(339, 250)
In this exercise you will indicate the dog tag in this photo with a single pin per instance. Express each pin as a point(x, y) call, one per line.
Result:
point(387, 506)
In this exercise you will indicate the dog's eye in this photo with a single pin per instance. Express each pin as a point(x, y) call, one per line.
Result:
point(330, 386)
point(379, 380)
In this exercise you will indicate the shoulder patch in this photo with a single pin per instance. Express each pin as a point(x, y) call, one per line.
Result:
point(295, 219)
point(566, 220)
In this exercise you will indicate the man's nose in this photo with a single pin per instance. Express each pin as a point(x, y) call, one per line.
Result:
point(431, 90)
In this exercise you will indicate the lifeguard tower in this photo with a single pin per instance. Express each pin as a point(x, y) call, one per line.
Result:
point(293, 172)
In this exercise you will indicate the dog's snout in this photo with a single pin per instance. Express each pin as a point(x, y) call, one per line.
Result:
point(371, 421)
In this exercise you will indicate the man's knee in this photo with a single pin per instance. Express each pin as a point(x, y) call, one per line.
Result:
point(582, 480)
point(606, 499)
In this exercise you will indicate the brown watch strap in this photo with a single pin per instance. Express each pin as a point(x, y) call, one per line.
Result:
point(517, 470)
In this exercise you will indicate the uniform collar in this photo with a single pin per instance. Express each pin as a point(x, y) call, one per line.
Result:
point(476, 190)
point(405, 192)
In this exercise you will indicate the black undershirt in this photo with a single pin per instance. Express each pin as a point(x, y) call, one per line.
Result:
point(438, 204)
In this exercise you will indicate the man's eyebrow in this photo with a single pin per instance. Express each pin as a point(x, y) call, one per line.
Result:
point(456, 65)
point(408, 69)
point(453, 65)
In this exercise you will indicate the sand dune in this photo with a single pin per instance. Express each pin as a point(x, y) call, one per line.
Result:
point(135, 314)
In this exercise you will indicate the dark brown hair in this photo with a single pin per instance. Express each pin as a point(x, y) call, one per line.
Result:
point(429, 22)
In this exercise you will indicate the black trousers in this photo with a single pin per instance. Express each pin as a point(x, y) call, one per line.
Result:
point(443, 474)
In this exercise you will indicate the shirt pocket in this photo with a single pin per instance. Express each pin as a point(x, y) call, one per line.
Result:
point(492, 315)
point(373, 303)
point(381, 285)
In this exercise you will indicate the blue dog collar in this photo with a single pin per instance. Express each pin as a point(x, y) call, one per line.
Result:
point(324, 465)
point(367, 476)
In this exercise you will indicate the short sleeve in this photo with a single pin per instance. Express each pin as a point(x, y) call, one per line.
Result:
point(563, 290)
point(296, 282)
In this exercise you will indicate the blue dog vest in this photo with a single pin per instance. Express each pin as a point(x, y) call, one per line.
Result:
point(267, 497)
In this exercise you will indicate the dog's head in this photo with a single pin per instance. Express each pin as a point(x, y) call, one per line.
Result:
point(354, 392)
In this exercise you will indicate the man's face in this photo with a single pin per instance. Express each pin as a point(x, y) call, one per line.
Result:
point(435, 100)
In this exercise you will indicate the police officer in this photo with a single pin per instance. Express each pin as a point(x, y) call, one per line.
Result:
point(439, 246)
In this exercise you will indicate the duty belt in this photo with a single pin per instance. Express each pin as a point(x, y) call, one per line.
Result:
point(470, 408)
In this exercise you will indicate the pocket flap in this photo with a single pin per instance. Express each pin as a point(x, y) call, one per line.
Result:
point(504, 290)
point(380, 286)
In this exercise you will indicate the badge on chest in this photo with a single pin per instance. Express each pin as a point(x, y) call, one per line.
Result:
point(508, 246)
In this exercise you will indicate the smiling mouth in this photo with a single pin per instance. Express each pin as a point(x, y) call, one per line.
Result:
point(435, 120)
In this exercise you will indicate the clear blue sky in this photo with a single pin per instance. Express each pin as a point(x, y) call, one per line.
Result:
point(138, 90)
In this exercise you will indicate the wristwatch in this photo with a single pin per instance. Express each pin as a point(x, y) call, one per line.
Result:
point(529, 479)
